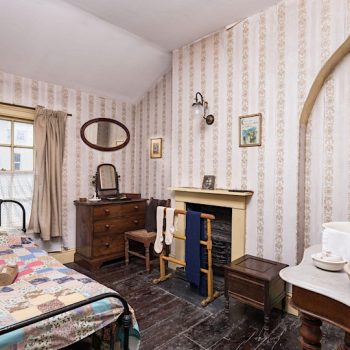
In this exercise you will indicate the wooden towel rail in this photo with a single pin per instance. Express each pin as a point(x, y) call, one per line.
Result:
point(212, 295)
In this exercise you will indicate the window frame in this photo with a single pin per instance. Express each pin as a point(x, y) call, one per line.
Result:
point(20, 115)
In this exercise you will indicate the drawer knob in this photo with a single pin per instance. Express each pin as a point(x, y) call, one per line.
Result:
point(136, 221)
point(107, 245)
point(107, 227)
point(107, 211)
point(136, 207)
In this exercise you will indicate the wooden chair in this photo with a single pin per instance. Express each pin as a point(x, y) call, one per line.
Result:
point(146, 236)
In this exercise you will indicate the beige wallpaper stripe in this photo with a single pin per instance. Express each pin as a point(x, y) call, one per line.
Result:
point(18, 90)
point(78, 146)
point(35, 92)
point(141, 141)
point(50, 96)
point(156, 97)
point(123, 151)
point(229, 103)
point(147, 129)
point(261, 151)
point(114, 116)
point(328, 116)
point(280, 129)
point(102, 114)
point(191, 121)
point(165, 140)
point(133, 151)
point(64, 92)
point(90, 152)
point(202, 123)
point(244, 98)
point(179, 119)
point(302, 16)
point(216, 91)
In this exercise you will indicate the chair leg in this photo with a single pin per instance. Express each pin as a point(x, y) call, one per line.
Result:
point(126, 251)
point(148, 264)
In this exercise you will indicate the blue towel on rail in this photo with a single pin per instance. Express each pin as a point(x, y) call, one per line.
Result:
point(194, 252)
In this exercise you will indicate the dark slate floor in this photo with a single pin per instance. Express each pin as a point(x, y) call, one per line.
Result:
point(171, 318)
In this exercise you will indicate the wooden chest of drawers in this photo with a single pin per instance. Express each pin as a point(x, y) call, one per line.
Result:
point(100, 229)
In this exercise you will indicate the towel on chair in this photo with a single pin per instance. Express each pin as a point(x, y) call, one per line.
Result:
point(170, 226)
point(158, 244)
point(194, 227)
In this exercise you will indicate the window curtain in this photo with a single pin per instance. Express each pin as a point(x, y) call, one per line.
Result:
point(49, 136)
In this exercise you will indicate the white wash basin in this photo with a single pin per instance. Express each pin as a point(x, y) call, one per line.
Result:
point(336, 238)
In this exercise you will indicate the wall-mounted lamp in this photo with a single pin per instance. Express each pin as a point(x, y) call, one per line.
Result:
point(200, 107)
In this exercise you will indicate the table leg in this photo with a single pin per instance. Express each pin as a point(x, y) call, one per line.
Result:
point(266, 324)
point(283, 305)
point(310, 332)
point(148, 265)
point(346, 344)
point(126, 251)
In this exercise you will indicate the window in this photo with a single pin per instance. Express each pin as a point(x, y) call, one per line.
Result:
point(16, 145)
point(16, 162)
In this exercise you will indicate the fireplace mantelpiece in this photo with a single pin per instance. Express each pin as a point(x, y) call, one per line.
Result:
point(237, 201)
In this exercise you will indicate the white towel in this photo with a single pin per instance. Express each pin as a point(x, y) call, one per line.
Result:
point(158, 244)
point(337, 242)
point(169, 228)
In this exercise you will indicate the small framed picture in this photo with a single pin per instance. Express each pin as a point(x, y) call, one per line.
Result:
point(250, 130)
point(156, 148)
point(208, 182)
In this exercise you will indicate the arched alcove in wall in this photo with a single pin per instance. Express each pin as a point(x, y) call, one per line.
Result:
point(335, 59)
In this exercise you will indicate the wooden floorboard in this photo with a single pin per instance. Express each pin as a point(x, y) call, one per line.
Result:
point(171, 317)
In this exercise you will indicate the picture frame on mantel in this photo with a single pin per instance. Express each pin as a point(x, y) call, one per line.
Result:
point(208, 182)
point(156, 148)
point(250, 130)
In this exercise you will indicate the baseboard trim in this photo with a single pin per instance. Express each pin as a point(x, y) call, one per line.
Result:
point(64, 257)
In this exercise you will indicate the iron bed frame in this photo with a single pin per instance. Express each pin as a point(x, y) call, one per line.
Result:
point(125, 316)
point(23, 211)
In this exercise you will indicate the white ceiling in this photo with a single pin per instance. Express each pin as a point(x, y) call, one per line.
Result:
point(115, 48)
point(172, 23)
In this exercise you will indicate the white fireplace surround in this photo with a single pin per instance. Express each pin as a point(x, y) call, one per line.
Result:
point(237, 201)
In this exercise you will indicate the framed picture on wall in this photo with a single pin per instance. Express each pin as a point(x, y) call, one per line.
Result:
point(250, 130)
point(208, 182)
point(156, 148)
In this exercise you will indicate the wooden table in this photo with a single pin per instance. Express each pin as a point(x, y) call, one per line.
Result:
point(319, 295)
point(255, 281)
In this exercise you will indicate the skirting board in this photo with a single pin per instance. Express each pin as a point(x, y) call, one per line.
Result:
point(64, 257)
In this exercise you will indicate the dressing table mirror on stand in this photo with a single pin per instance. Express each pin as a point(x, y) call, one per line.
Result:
point(107, 182)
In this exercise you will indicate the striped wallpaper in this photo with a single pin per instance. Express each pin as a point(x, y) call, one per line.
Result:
point(266, 64)
point(153, 120)
point(80, 161)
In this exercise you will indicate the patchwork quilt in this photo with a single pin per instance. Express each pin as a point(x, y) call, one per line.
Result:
point(44, 284)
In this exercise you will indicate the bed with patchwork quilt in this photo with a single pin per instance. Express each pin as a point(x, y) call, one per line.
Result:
point(46, 288)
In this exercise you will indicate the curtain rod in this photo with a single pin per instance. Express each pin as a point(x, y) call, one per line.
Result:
point(14, 105)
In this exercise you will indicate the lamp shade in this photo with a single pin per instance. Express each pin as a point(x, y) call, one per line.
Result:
point(197, 109)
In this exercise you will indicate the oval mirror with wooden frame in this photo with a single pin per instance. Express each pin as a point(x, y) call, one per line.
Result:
point(105, 134)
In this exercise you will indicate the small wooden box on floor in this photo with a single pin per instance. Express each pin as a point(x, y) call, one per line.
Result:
point(100, 228)
point(255, 281)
